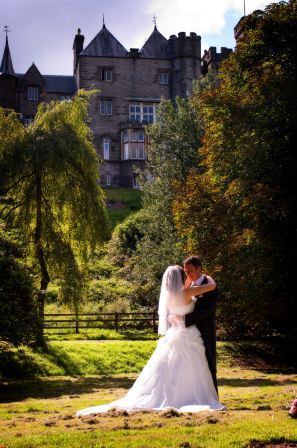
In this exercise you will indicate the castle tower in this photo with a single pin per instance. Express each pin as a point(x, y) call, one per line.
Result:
point(212, 60)
point(78, 46)
point(185, 62)
point(8, 80)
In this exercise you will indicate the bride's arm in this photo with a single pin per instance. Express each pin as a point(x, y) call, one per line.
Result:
point(198, 290)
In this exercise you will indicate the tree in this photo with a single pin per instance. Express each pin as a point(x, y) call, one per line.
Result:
point(172, 151)
point(52, 194)
point(19, 320)
point(240, 214)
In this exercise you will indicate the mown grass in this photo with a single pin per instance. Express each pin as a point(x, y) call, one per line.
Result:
point(76, 358)
point(41, 411)
point(100, 334)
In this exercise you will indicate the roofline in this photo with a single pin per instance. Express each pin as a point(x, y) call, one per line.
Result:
point(61, 76)
point(94, 38)
point(140, 58)
point(57, 76)
point(123, 57)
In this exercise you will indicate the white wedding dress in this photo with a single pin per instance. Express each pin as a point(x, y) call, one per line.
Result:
point(176, 376)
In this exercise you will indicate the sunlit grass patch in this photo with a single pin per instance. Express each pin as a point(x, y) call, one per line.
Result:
point(77, 358)
point(41, 411)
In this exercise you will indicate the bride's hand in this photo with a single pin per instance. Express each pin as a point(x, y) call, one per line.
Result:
point(175, 320)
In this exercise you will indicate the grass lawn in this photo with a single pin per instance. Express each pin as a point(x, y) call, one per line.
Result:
point(121, 203)
point(101, 334)
point(39, 411)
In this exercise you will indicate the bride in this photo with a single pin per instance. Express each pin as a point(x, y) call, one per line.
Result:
point(177, 374)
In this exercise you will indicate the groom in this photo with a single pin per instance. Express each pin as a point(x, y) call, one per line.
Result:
point(203, 315)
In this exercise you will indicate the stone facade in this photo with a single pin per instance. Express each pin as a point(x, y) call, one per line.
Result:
point(130, 86)
point(133, 84)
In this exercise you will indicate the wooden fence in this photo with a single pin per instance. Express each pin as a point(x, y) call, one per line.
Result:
point(115, 321)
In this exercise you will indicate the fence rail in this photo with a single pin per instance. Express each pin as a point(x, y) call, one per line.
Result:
point(115, 321)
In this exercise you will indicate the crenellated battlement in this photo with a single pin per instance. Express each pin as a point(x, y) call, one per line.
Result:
point(212, 58)
point(185, 46)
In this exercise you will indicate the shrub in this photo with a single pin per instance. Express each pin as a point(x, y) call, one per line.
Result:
point(18, 310)
point(126, 237)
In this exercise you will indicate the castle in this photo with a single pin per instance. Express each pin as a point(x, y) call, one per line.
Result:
point(131, 84)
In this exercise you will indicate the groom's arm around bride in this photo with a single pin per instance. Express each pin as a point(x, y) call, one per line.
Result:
point(204, 314)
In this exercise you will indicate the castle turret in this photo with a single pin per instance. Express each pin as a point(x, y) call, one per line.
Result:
point(78, 46)
point(186, 62)
point(212, 59)
point(240, 28)
point(8, 80)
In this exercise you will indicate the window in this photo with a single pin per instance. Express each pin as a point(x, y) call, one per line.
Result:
point(140, 151)
point(133, 145)
point(126, 151)
point(65, 97)
point(163, 77)
point(143, 112)
point(105, 107)
point(135, 181)
point(28, 120)
point(140, 136)
point(33, 93)
point(106, 74)
point(108, 180)
point(106, 148)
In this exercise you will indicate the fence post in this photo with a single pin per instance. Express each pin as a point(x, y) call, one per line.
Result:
point(76, 323)
point(116, 320)
point(154, 321)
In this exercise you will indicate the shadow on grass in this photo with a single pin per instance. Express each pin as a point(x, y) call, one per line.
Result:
point(256, 382)
point(271, 356)
point(277, 442)
point(15, 391)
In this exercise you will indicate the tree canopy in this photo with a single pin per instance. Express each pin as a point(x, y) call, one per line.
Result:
point(240, 214)
point(50, 191)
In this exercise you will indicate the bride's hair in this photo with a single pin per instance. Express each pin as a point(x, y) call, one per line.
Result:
point(171, 295)
point(172, 278)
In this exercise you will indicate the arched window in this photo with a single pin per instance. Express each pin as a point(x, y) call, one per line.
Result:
point(106, 148)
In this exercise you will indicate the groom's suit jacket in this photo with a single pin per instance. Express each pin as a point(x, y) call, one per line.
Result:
point(204, 318)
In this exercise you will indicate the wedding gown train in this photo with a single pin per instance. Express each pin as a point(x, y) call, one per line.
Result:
point(176, 376)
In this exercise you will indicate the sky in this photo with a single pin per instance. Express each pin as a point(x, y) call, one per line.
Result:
point(42, 31)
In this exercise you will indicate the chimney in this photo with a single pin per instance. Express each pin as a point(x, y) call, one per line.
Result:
point(78, 46)
point(134, 53)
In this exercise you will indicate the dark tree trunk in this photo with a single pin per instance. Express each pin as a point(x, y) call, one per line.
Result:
point(41, 259)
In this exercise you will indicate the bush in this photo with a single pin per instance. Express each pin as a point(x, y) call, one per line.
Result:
point(126, 237)
point(18, 308)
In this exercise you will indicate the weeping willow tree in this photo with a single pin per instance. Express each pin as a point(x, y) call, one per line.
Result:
point(50, 193)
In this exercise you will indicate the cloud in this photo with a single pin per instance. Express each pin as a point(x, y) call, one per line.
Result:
point(201, 16)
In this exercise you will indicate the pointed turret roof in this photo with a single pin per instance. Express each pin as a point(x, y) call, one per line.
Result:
point(6, 67)
point(156, 46)
point(104, 44)
point(32, 77)
point(33, 70)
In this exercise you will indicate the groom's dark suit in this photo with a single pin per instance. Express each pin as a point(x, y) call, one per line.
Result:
point(204, 318)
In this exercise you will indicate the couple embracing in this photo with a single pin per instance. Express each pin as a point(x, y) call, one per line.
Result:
point(181, 373)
